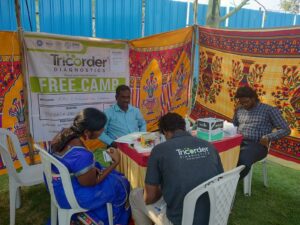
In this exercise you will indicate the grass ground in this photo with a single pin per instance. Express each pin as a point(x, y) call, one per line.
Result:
point(279, 204)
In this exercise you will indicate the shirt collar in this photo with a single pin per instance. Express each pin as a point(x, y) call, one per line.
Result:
point(255, 107)
point(118, 109)
point(180, 133)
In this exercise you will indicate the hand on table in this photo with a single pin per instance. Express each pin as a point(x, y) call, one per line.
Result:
point(114, 144)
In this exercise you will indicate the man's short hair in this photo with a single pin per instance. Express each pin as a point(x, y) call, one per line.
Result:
point(120, 88)
point(171, 122)
point(246, 92)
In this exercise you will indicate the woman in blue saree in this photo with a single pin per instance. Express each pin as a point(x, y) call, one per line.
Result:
point(93, 184)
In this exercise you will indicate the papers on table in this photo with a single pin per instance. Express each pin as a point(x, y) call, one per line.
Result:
point(229, 129)
point(140, 149)
point(130, 138)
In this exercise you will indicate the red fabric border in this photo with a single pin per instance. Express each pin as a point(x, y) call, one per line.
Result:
point(285, 157)
point(142, 158)
point(228, 143)
point(253, 33)
point(268, 43)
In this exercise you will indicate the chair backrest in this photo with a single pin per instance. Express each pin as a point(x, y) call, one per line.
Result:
point(10, 141)
point(269, 146)
point(6, 157)
point(221, 190)
point(47, 161)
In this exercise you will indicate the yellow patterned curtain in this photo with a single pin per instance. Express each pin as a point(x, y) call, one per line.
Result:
point(12, 115)
point(267, 60)
point(160, 74)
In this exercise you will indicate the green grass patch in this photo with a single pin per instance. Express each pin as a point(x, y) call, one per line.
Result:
point(279, 204)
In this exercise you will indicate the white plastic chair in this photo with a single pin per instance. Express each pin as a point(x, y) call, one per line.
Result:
point(248, 178)
point(221, 190)
point(28, 176)
point(64, 215)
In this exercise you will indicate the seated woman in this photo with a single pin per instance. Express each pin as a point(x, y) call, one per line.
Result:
point(93, 184)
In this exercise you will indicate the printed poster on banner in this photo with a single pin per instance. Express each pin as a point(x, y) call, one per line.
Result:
point(68, 74)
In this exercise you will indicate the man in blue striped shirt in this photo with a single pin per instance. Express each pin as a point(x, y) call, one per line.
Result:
point(122, 118)
point(259, 123)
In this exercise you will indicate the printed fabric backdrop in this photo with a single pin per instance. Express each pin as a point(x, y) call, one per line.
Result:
point(160, 74)
point(12, 98)
point(268, 61)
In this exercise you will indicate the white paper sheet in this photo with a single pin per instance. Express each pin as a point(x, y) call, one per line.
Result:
point(130, 138)
point(140, 149)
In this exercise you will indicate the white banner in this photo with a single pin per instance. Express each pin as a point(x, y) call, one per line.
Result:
point(68, 74)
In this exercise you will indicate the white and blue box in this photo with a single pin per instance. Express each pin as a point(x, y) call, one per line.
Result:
point(210, 129)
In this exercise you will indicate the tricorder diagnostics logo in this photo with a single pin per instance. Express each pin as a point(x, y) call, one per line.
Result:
point(79, 64)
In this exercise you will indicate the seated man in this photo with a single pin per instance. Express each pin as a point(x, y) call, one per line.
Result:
point(175, 167)
point(256, 121)
point(122, 118)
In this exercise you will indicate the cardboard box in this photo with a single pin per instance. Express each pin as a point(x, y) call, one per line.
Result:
point(210, 129)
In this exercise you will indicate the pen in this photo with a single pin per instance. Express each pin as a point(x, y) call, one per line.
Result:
point(157, 208)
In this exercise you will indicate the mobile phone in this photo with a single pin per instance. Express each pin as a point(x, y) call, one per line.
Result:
point(106, 157)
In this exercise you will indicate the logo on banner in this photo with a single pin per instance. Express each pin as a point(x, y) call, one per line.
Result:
point(73, 63)
point(39, 43)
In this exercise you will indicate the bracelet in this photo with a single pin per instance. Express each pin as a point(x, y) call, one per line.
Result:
point(99, 174)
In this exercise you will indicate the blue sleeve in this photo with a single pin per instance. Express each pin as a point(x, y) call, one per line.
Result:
point(153, 174)
point(80, 161)
point(235, 119)
point(278, 123)
point(104, 137)
point(141, 122)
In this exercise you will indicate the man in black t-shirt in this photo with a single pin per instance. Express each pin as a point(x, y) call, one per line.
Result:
point(174, 168)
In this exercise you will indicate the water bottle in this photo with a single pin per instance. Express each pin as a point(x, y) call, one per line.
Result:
point(187, 124)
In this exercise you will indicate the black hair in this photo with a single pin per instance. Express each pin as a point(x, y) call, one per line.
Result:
point(171, 122)
point(88, 119)
point(246, 92)
point(120, 88)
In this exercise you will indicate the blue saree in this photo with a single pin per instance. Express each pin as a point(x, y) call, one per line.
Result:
point(114, 188)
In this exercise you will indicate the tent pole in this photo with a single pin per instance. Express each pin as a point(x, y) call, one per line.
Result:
point(194, 42)
point(23, 66)
point(195, 12)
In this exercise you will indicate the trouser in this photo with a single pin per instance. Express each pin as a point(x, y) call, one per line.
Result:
point(250, 153)
point(147, 214)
